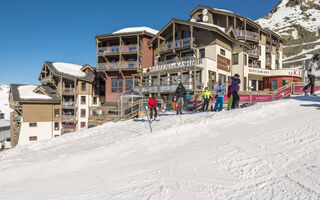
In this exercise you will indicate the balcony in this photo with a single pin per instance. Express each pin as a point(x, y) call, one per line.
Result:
point(129, 48)
point(68, 90)
point(108, 50)
point(253, 52)
point(268, 61)
point(176, 60)
point(68, 104)
point(117, 65)
point(247, 34)
point(69, 128)
point(167, 87)
point(254, 65)
point(178, 44)
point(68, 117)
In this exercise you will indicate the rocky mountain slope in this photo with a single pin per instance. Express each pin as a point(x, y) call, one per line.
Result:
point(4, 102)
point(298, 21)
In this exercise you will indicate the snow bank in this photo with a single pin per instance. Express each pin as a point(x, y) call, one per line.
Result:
point(4, 100)
point(68, 68)
point(266, 151)
point(26, 92)
point(137, 29)
point(213, 25)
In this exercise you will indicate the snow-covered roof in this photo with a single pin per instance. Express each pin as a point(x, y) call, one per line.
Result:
point(4, 123)
point(137, 29)
point(24, 92)
point(69, 68)
point(27, 92)
point(223, 10)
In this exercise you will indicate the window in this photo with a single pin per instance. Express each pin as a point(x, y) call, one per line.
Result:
point(83, 113)
point(285, 82)
point(33, 138)
point(146, 81)
point(136, 82)
point(185, 34)
point(56, 126)
point(32, 124)
point(222, 52)
point(154, 80)
point(57, 113)
point(116, 85)
point(83, 100)
point(202, 53)
point(174, 78)
point(260, 85)
point(245, 59)
point(185, 78)
point(235, 58)
point(200, 18)
point(83, 86)
point(129, 84)
point(164, 80)
point(94, 100)
point(274, 84)
point(259, 50)
point(216, 21)
point(83, 124)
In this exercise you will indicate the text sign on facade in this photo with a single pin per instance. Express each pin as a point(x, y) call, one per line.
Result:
point(261, 97)
point(176, 65)
point(258, 71)
point(223, 63)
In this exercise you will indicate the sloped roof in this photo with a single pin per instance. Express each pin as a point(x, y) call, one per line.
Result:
point(69, 70)
point(25, 92)
point(136, 29)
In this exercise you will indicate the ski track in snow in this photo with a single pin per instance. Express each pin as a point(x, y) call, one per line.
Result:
point(266, 151)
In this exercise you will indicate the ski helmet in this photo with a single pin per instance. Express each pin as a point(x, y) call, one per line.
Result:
point(237, 75)
point(316, 57)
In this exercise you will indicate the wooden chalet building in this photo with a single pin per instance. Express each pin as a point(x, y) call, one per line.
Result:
point(121, 56)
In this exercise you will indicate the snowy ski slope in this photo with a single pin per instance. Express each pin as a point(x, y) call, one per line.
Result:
point(265, 151)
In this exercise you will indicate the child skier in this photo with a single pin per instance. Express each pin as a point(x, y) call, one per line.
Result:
point(220, 90)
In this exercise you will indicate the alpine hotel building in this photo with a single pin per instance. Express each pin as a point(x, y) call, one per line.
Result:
point(211, 46)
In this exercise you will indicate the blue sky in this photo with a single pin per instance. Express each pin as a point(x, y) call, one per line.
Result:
point(32, 32)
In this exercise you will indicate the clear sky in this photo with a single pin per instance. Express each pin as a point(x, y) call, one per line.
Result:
point(34, 31)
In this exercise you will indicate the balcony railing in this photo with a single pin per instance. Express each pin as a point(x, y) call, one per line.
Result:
point(248, 34)
point(129, 64)
point(108, 50)
point(68, 90)
point(45, 79)
point(69, 103)
point(68, 117)
point(175, 60)
point(129, 48)
point(178, 44)
point(268, 61)
point(167, 87)
point(254, 65)
point(114, 65)
point(117, 65)
point(253, 52)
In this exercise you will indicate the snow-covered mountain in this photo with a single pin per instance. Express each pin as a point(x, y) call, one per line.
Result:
point(266, 151)
point(4, 100)
point(298, 21)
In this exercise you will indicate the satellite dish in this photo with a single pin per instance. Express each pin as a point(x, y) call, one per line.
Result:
point(205, 18)
point(192, 20)
point(205, 11)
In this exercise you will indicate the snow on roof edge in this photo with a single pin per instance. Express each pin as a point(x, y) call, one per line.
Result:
point(137, 29)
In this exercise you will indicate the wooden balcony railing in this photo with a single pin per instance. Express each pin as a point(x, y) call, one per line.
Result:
point(129, 48)
point(253, 52)
point(68, 90)
point(108, 50)
point(68, 103)
point(68, 117)
point(117, 65)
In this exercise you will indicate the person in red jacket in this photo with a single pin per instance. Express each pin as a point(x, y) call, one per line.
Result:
point(152, 105)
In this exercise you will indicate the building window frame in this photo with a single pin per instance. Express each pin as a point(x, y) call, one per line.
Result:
point(82, 124)
point(83, 113)
point(235, 59)
point(222, 52)
point(83, 100)
point(116, 85)
point(83, 86)
point(56, 126)
point(33, 138)
point(57, 113)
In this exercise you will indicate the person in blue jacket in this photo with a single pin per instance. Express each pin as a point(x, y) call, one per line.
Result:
point(220, 90)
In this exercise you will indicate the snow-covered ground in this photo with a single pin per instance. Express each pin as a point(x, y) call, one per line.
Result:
point(266, 151)
point(4, 100)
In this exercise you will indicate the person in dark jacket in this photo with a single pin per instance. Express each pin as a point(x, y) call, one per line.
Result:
point(235, 81)
point(312, 67)
point(152, 105)
point(180, 94)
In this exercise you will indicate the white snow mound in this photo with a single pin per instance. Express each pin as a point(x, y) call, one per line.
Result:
point(137, 29)
point(68, 68)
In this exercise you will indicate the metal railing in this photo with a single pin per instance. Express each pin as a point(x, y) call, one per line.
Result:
point(68, 90)
point(129, 48)
point(108, 50)
point(248, 34)
point(68, 117)
point(117, 65)
point(177, 44)
point(253, 52)
point(68, 103)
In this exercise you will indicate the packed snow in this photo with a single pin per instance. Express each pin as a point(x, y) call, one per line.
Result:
point(4, 100)
point(137, 29)
point(287, 16)
point(68, 68)
point(265, 151)
point(27, 92)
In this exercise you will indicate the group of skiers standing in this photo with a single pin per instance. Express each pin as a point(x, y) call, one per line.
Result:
point(180, 95)
point(220, 90)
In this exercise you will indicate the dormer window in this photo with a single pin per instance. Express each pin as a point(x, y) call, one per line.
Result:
point(200, 18)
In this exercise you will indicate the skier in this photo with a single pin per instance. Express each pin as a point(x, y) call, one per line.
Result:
point(174, 102)
point(234, 91)
point(152, 105)
point(180, 93)
point(312, 67)
point(206, 95)
point(229, 95)
point(220, 90)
